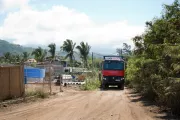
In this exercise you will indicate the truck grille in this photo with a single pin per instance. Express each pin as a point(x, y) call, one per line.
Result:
point(112, 78)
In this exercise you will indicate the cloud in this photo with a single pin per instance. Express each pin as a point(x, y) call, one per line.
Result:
point(33, 27)
point(6, 5)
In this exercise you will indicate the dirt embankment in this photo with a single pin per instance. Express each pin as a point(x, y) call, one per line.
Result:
point(80, 105)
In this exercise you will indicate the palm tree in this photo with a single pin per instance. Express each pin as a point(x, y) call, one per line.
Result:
point(39, 54)
point(52, 50)
point(1, 60)
point(84, 52)
point(68, 47)
point(25, 56)
point(7, 57)
point(17, 58)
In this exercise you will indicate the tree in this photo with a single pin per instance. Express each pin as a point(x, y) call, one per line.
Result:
point(25, 56)
point(52, 50)
point(139, 46)
point(125, 50)
point(17, 58)
point(12, 58)
point(119, 51)
point(7, 57)
point(39, 54)
point(1, 60)
point(84, 50)
point(154, 70)
point(68, 47)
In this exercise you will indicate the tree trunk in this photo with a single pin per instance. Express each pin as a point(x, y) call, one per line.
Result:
point(85, 63)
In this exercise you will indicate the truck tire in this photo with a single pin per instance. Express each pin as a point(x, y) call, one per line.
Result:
point(122, 87)
point(104, 86)
point(119, 86)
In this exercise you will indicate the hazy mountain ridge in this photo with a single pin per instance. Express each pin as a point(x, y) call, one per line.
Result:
point(13, 48)
point(6, 46)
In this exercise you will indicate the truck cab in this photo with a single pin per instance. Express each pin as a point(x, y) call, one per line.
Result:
point(113, 72)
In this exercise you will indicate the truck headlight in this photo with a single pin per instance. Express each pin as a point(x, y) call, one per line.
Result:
point(104, 78)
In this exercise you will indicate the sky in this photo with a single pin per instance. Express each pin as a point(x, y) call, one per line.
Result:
point(104, 24)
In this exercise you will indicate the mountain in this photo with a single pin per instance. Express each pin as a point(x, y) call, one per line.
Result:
point(18, 49)
point(13, 48)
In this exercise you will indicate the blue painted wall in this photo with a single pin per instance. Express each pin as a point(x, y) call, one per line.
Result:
point(34, 73)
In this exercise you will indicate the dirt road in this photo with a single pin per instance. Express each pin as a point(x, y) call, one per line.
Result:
point(79, 105)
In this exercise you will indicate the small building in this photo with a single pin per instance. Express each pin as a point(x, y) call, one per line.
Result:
point(31, 61)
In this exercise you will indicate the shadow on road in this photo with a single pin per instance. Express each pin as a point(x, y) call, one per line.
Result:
point(161, 114)
point(137, 98)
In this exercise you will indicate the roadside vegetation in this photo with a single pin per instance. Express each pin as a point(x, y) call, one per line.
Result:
point(91, 84)
point(92, 81)
point(39, 93)
point(30, 95)
point(154, 68)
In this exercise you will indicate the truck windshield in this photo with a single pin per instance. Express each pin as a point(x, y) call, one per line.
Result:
point(113, 65)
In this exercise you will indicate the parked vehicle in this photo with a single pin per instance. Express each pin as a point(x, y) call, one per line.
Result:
point(113, 71)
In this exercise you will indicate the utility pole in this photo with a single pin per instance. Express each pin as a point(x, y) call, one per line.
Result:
point(92, 60)
point(60, 81)
point(50, 79)
point(121, 52)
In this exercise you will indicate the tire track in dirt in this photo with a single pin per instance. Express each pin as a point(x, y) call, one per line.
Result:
point(94, 105)
point(85, 105)
point(51, 105)
point(106, 102)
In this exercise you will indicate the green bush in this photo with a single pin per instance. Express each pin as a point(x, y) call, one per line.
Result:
point(154, 69)
point(33, 65)
point(91, 84)
point(92, 74)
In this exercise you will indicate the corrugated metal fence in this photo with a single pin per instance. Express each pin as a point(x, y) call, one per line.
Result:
point(11, 82)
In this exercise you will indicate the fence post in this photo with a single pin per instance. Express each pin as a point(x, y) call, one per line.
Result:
point(43, 84)
point(50, 79)
point(60, 81)
point(24, 85)
point(43, 79)
point(9, 82)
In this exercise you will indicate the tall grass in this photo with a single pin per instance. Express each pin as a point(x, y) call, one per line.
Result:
point(91, 84)
point(39, 93)
point(92, 81)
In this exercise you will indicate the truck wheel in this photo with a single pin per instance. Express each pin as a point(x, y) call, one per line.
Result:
point(102, 86)
point(122, 87)
point(106, 86)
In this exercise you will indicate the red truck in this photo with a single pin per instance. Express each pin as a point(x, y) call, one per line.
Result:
point(113, 72)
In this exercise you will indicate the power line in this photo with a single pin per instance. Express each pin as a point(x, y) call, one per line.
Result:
point(98, 54)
